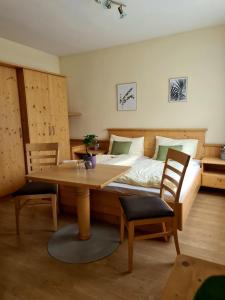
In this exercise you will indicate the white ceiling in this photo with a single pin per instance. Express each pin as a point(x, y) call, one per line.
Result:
point(70, 26)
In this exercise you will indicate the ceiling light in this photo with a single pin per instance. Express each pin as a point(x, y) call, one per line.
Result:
point(108, 4)
point(122, 13)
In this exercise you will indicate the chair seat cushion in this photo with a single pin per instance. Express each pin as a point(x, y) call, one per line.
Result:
point(144, 207)
point(36, 188)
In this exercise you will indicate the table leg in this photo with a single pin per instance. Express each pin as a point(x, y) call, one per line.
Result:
point(83, 212)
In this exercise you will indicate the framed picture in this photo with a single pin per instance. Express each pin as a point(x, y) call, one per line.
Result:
point(127, 96)
point(178, 89)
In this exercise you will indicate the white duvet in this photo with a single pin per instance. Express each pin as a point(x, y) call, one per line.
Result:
point(144, 171)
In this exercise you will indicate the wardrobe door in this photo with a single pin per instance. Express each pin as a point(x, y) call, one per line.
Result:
point(59, 114)
point(44, 109)
point(38, 107)
point(11, 144)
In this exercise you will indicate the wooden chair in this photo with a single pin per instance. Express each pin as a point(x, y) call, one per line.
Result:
point(39, 157)
point(145, 210)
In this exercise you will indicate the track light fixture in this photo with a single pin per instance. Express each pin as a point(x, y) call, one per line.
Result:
point(122, 13)
point(108, 4)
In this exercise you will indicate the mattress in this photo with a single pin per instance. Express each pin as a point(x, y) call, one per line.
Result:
point(192, 173)
point(144, 171)
point(191, 176)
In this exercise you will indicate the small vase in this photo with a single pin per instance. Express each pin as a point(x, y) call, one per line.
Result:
point(222, 155)
point(93, 160)
point(88, 164)
point(90, 161)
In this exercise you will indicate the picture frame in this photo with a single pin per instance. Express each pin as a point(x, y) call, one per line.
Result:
point(127, 96)
point(178, 89)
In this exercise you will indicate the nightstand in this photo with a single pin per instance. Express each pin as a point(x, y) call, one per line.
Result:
point(79, 152)
point(213, 172)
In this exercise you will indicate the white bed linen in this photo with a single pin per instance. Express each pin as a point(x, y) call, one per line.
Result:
point(136, 163)
point(123, 188)
point(144, 171)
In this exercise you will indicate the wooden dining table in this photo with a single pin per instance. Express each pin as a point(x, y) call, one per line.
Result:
point(82, 180)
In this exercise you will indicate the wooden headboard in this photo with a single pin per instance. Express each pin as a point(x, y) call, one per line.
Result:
point(150, 134)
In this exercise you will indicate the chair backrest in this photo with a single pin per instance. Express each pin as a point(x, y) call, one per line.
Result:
point(173, 173)
point(41, 156)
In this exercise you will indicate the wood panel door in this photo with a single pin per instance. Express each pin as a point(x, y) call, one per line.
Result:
point(44, 109)
point(59, 114)
point(38, 107)
point(11, 145)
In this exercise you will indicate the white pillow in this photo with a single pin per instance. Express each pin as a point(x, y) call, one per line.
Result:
point(189, 145)
point(137, 145)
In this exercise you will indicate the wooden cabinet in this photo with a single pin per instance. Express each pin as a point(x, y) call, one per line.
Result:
point(37, 106)
point(213, 172)
point(59, 114)
point(11, 145)
point(35, 103)
point(44, 109)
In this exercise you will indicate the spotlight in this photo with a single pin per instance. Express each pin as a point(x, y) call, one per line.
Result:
point(108, 4)
point(122, 13)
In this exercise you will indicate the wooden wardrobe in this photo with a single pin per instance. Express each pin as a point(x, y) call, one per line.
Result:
point(33, 109)
point(12, 168)
point(44, 110)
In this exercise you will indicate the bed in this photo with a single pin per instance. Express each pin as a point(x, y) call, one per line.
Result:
point(105, 203)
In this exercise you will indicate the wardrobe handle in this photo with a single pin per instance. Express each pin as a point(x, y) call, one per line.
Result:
point(53, 130)
point(20, 132)
point(49, 130)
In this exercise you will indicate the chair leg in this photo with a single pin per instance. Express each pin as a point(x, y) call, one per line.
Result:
point(17, 215)
point(166, 238)
point(58, 202)
point(175, 234)
point(130, 245)
point(121, 226)
point(54, 212)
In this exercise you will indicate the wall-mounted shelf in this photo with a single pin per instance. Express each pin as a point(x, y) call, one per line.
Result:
point(74, 114)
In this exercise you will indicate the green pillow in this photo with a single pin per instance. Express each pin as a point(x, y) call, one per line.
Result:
point(120, 147)
point(162, 152)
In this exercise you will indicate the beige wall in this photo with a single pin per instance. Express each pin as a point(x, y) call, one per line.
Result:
point(200, 55)
point(14, 53)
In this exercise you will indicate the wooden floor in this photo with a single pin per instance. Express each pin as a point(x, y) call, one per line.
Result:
point(27, 272)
